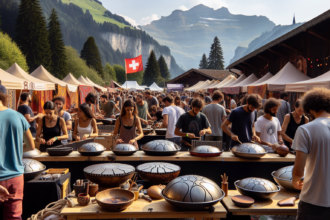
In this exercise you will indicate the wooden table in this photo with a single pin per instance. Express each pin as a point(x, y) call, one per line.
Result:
point(260, 207)
point(180, 156)
point(141, 209)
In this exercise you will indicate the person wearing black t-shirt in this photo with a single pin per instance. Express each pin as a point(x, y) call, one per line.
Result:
point(27, 112)
point(192, 124)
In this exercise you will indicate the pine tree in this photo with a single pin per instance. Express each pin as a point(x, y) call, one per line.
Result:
point(152, 71)
point(90, 53)
point(57, 46)
point(164, 72)
point(32, 35)
point(203, 64)
point(215, 60)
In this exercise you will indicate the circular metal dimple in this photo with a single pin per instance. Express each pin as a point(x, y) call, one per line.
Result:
point(31, 166)
point(109, 170)
point(257, 185)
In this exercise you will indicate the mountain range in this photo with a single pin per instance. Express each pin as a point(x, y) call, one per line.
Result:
point(190, 33)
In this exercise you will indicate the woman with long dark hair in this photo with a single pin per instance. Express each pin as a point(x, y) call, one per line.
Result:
point(85, 126)
point(126, 125)
point(51, 127)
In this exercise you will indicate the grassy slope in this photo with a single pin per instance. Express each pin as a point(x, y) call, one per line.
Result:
point(96, 10)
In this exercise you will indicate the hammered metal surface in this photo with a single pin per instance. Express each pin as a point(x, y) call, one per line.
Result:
point(249, 148)
point(205, 149)
point(257, 185)
point(192, 189)
point(284, 173)
point(124, 147)
point(91, 147)
point(31, 165)
point(159, 168)
point(160, 145)
point(109, 170)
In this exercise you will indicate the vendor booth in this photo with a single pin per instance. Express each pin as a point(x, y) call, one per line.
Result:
point(132, 86)
point(236, 89)
point(262, 79)
point(155, 87)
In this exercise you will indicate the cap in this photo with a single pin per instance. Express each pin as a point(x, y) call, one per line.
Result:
point(3, 89)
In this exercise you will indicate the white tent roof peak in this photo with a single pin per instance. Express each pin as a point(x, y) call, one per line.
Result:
point(11, 82)
point(132, 86)
point(303, 86)
point(37, 84)
point(84, 81)
point(97, 86)
point(72, 80)
point(262, 79)
point(155, 87)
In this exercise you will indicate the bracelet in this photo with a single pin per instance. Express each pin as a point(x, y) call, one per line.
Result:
point(89, 135)
point(187, 135)
point(55, 138)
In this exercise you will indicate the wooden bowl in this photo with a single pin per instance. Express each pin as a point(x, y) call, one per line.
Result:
point(282, 150)
point(155, 192)
point(83, 199)
point(103, 196)
point(242, 201)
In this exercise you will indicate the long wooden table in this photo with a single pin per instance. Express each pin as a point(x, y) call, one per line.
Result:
point(180, 156)
point(262, 207)
point(141, 209)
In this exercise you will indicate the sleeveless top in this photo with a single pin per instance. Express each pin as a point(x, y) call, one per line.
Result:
point(292, 128)
point(127, 133)
point(83, 131)
point(49, 133)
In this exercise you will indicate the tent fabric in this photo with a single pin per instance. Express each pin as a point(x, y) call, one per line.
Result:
point(131, 86)
point(95, 85)
point(237, 87)
point(288, 74)
point(83, 92)
point(84, 81)
point(227, 80)
point(262, 79)
point(154, 87)
point(72, 80)
point(212, 85)
point(12, 82)
point(303, 86)
point(226, 83)
point(204, 84)
point(197, 84)
point(240, 79)
point(43, 74)
point(36, 84)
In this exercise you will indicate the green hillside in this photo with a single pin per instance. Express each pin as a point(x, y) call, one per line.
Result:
point(97, 11)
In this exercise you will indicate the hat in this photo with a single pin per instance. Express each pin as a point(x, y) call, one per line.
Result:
point(3, 89)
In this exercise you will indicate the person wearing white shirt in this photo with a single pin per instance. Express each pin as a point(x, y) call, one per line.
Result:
point(312, 146)
point(268, 127)
point(171, 114)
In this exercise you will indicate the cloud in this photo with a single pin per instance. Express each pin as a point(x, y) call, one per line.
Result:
point(183, 8)
point(149, 19)
point(130, 20)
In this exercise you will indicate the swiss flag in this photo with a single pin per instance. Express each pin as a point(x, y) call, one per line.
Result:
point(134, 65)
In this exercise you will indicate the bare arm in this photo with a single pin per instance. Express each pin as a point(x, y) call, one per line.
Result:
point(75, 131)
point(38, 138)
point(29, 118)
point(95, 129)
point(279, 137)
point(69, 125)
point(117, 109)
point(165, 121)
point(284, 128)
point(298, 169)
point(177, 132)
point(115, 132)
point(64, 130)
point(28, 141)
point(139, 127)
point(225, 127)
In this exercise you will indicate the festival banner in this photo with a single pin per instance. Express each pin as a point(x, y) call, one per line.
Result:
point(261, 90)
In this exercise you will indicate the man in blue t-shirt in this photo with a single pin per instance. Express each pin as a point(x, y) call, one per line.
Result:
point(14, 129)
point(242, 122)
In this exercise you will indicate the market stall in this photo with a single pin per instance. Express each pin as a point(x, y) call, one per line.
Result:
point(229, 80)
point(196, 85)
point(304, 86)
point(240, 79)
point(132, 86)
point(262, 79)
point(95, 85)
point(155, 87)
point(236, 89)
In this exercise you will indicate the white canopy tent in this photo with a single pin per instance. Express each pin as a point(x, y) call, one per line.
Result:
point(211, 85)
point(303, 86)
point(288, 74)
point(248, 80)
point(205, 85)
point(95, 85)
point(12, 82)
point(200, 86)
point(36, 84)
point(262, 79)
point(229, 79)
point(155, 87)
point(240, 79)
point(84, 81)
point(43, 74)
point(131, 86)
point(196, 85)
point(72, 80)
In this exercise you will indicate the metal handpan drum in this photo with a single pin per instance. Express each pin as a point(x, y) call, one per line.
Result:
point(124, 149)
point(91, 149)
point(160, 148)
point(257, 188)
point(109, 174)
point(32, 168)
point(248, 150)
point(283, 177)
point(192, 192)
point(205, 151)
point(158, 173)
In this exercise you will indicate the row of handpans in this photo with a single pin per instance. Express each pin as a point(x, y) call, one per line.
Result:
point(188, 192)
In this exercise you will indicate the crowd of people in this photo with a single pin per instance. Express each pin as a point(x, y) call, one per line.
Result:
point(186, 117)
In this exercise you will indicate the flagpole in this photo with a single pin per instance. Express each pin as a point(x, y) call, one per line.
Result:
point(126, 74)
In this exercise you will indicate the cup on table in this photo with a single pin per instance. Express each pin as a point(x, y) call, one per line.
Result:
point(78, 189)
point(224, 187)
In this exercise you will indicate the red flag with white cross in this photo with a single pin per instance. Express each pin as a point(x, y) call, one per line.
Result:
point(134, 65)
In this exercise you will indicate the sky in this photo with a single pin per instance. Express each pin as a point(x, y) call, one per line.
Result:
point(142, 12)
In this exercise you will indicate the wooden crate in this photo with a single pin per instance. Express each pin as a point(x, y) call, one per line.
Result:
point(65, 186)
point(57, 171)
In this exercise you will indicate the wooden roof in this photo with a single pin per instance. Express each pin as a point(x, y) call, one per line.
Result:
point(212, 74)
